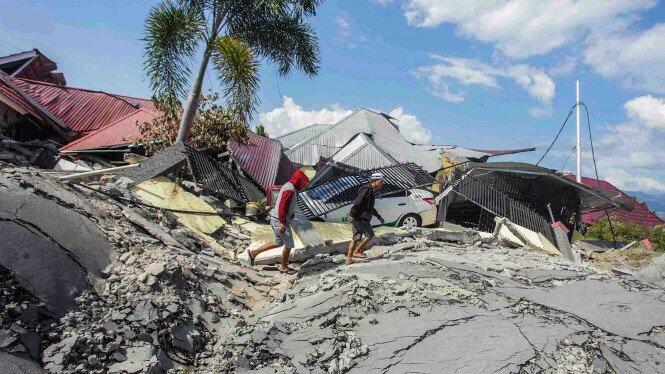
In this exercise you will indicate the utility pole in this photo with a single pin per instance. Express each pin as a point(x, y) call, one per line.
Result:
point(579, 148)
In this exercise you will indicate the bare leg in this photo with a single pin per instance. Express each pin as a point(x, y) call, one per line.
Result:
point(363, 244)
point(286, 252)
point(349, 255)
point(263, 248)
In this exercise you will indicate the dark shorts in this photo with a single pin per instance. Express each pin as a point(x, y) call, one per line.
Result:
point(362, 228)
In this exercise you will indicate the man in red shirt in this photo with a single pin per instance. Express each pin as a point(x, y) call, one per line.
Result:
point(280, 219)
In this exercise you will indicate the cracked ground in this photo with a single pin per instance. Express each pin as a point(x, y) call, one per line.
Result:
point(421, 306)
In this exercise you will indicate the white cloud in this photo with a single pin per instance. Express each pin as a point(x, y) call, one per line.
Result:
point(631, 154)
point(411, 127)
point(343, 25)
point(449, 71)
point(522, 28)
point(602, 31)
point(345, 34)
point(292, 116)
point(637, 60)
point(647, 110)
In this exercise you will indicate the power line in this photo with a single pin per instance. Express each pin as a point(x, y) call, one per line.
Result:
point(568, 158)
point(595, 167)
point(558, 134)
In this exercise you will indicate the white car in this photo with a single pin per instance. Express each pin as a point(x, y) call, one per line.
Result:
point(411, 208)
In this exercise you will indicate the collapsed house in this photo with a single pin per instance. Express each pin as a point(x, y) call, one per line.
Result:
point(639, 212)
point(530, 196)
point(32, 65)
point(366, 139)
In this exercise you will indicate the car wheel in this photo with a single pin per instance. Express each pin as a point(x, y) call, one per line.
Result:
point(410, 220)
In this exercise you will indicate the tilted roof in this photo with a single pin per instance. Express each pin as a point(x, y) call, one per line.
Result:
point(639, 214)
point(31, 64)
point(383, 132)
point(24, 104)
point(263, 160)
point(295, 137)
point(82, 110)
point(362, 153)
point(121, 132)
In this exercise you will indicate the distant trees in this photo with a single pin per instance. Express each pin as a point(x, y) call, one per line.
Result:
point(233, 35)
point(627, 232)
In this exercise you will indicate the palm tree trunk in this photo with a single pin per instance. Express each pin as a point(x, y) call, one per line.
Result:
point(193, 100)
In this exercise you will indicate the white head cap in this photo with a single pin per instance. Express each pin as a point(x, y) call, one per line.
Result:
point(376, 177)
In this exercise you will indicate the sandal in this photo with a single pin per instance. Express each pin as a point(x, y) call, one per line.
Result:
point(288, 271)
point(251, 259)
point(359, 255)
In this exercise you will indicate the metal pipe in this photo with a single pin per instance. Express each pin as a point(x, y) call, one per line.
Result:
point(579, 147)
point(96, 172)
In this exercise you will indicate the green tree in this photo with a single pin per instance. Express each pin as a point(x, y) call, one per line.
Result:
point(261, 130)
point(232, 34)
point(627, 232)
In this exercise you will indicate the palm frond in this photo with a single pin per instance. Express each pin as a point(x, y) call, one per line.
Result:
point(237, 69)
point(277, 30)
point(172, 34)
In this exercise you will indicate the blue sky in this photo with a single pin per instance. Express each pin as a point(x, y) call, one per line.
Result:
point(480, 74)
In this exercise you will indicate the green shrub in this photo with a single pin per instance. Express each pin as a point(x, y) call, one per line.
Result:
point(627, 232)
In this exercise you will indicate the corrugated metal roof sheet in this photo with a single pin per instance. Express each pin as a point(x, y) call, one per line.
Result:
point(216, 177)
point(339, 192)
point(25, 104)
point(17, 101)
point(503, 152)
point(13, 63)
point(262, 159)
point(377, 126)
point(121, 132)
point(639, 214)
point(293, 138)
point(363, 153)
point(82, 110)
point(32, 65)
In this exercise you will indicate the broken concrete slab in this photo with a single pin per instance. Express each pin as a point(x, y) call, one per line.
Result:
point(16, 365)
point(151, 227)
point(70, 230)
point(605, 304)
point(336, 236)
point(41, 266)
point(306, 231)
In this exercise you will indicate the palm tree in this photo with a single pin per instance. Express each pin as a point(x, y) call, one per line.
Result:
point(233, 34)
point(261, 130)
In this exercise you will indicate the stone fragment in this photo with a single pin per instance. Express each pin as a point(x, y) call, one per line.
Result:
point(155, 268)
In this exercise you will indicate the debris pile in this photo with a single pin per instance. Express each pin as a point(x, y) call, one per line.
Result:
point(25, 324)
point(433, 300)
point(166, 301)
point(157, 306)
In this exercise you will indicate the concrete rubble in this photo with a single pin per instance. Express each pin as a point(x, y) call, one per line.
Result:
point(146, 294)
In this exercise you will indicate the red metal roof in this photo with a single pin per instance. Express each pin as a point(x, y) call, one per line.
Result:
point(121, 132)
point(263, 159)
point(83, 110)
point(32, 64)
point(18, 100)
point(639, 214)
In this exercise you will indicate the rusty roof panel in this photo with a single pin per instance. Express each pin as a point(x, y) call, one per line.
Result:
point(83, 110)
point(261, 158)
point(121, 132)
